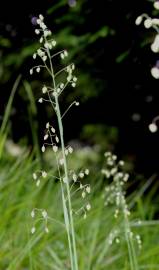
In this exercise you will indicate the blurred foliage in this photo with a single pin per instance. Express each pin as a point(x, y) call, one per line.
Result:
point(22, 250)
point(94, 133)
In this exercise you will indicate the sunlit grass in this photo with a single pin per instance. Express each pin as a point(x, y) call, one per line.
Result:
point(22, 250)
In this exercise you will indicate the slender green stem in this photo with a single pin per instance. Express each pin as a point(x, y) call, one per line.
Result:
point(67, 211)
point(67, 182)
point(130, 244)
point(129, 240)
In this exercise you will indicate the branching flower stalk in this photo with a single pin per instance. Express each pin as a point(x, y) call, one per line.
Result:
point(67, 210)
point(127, 229)
point(154, 24)
point(53, 97)
point(116, 195)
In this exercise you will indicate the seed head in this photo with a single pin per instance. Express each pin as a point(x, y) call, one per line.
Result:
point(138, 20)
point(34, 176)
point(57, 139)
point(73, 84)
point(38, 183)
point(55, 148)
point(74, 176)
point(153, 127)
point(41, 17)
point(41, 40)
point(43, 148)
point(44, 214)
point(38, 69)
point(70, 149)
point(85, 216)
point(65, 53)
point(61, 161)
point(33, 229)
point(53, 130)
point(31, 71)
point(86, 171)
point(88, 207)
point(44, 58)
point(53, 43)
point(156, 5)
point(47, 125)
point(81, 174)
point(46, 230)
point(155, 72)
point(62, 55)
point(44, 174)
point(34, 56)
point(37, 31)
point(46, 137)
point(148, 23)
point(65, 180)
point(62, 85)
point(88, 189)
point(40, 100)
point(32, 213)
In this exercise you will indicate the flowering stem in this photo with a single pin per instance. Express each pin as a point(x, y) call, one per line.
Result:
point(67, 183)
point(44, 53)
point(129, 240)
point(130, 244)
point(67, 209)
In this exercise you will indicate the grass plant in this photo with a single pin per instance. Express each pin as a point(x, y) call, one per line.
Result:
point(47, 220)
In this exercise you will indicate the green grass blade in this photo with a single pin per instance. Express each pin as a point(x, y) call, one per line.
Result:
point(9, 105)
